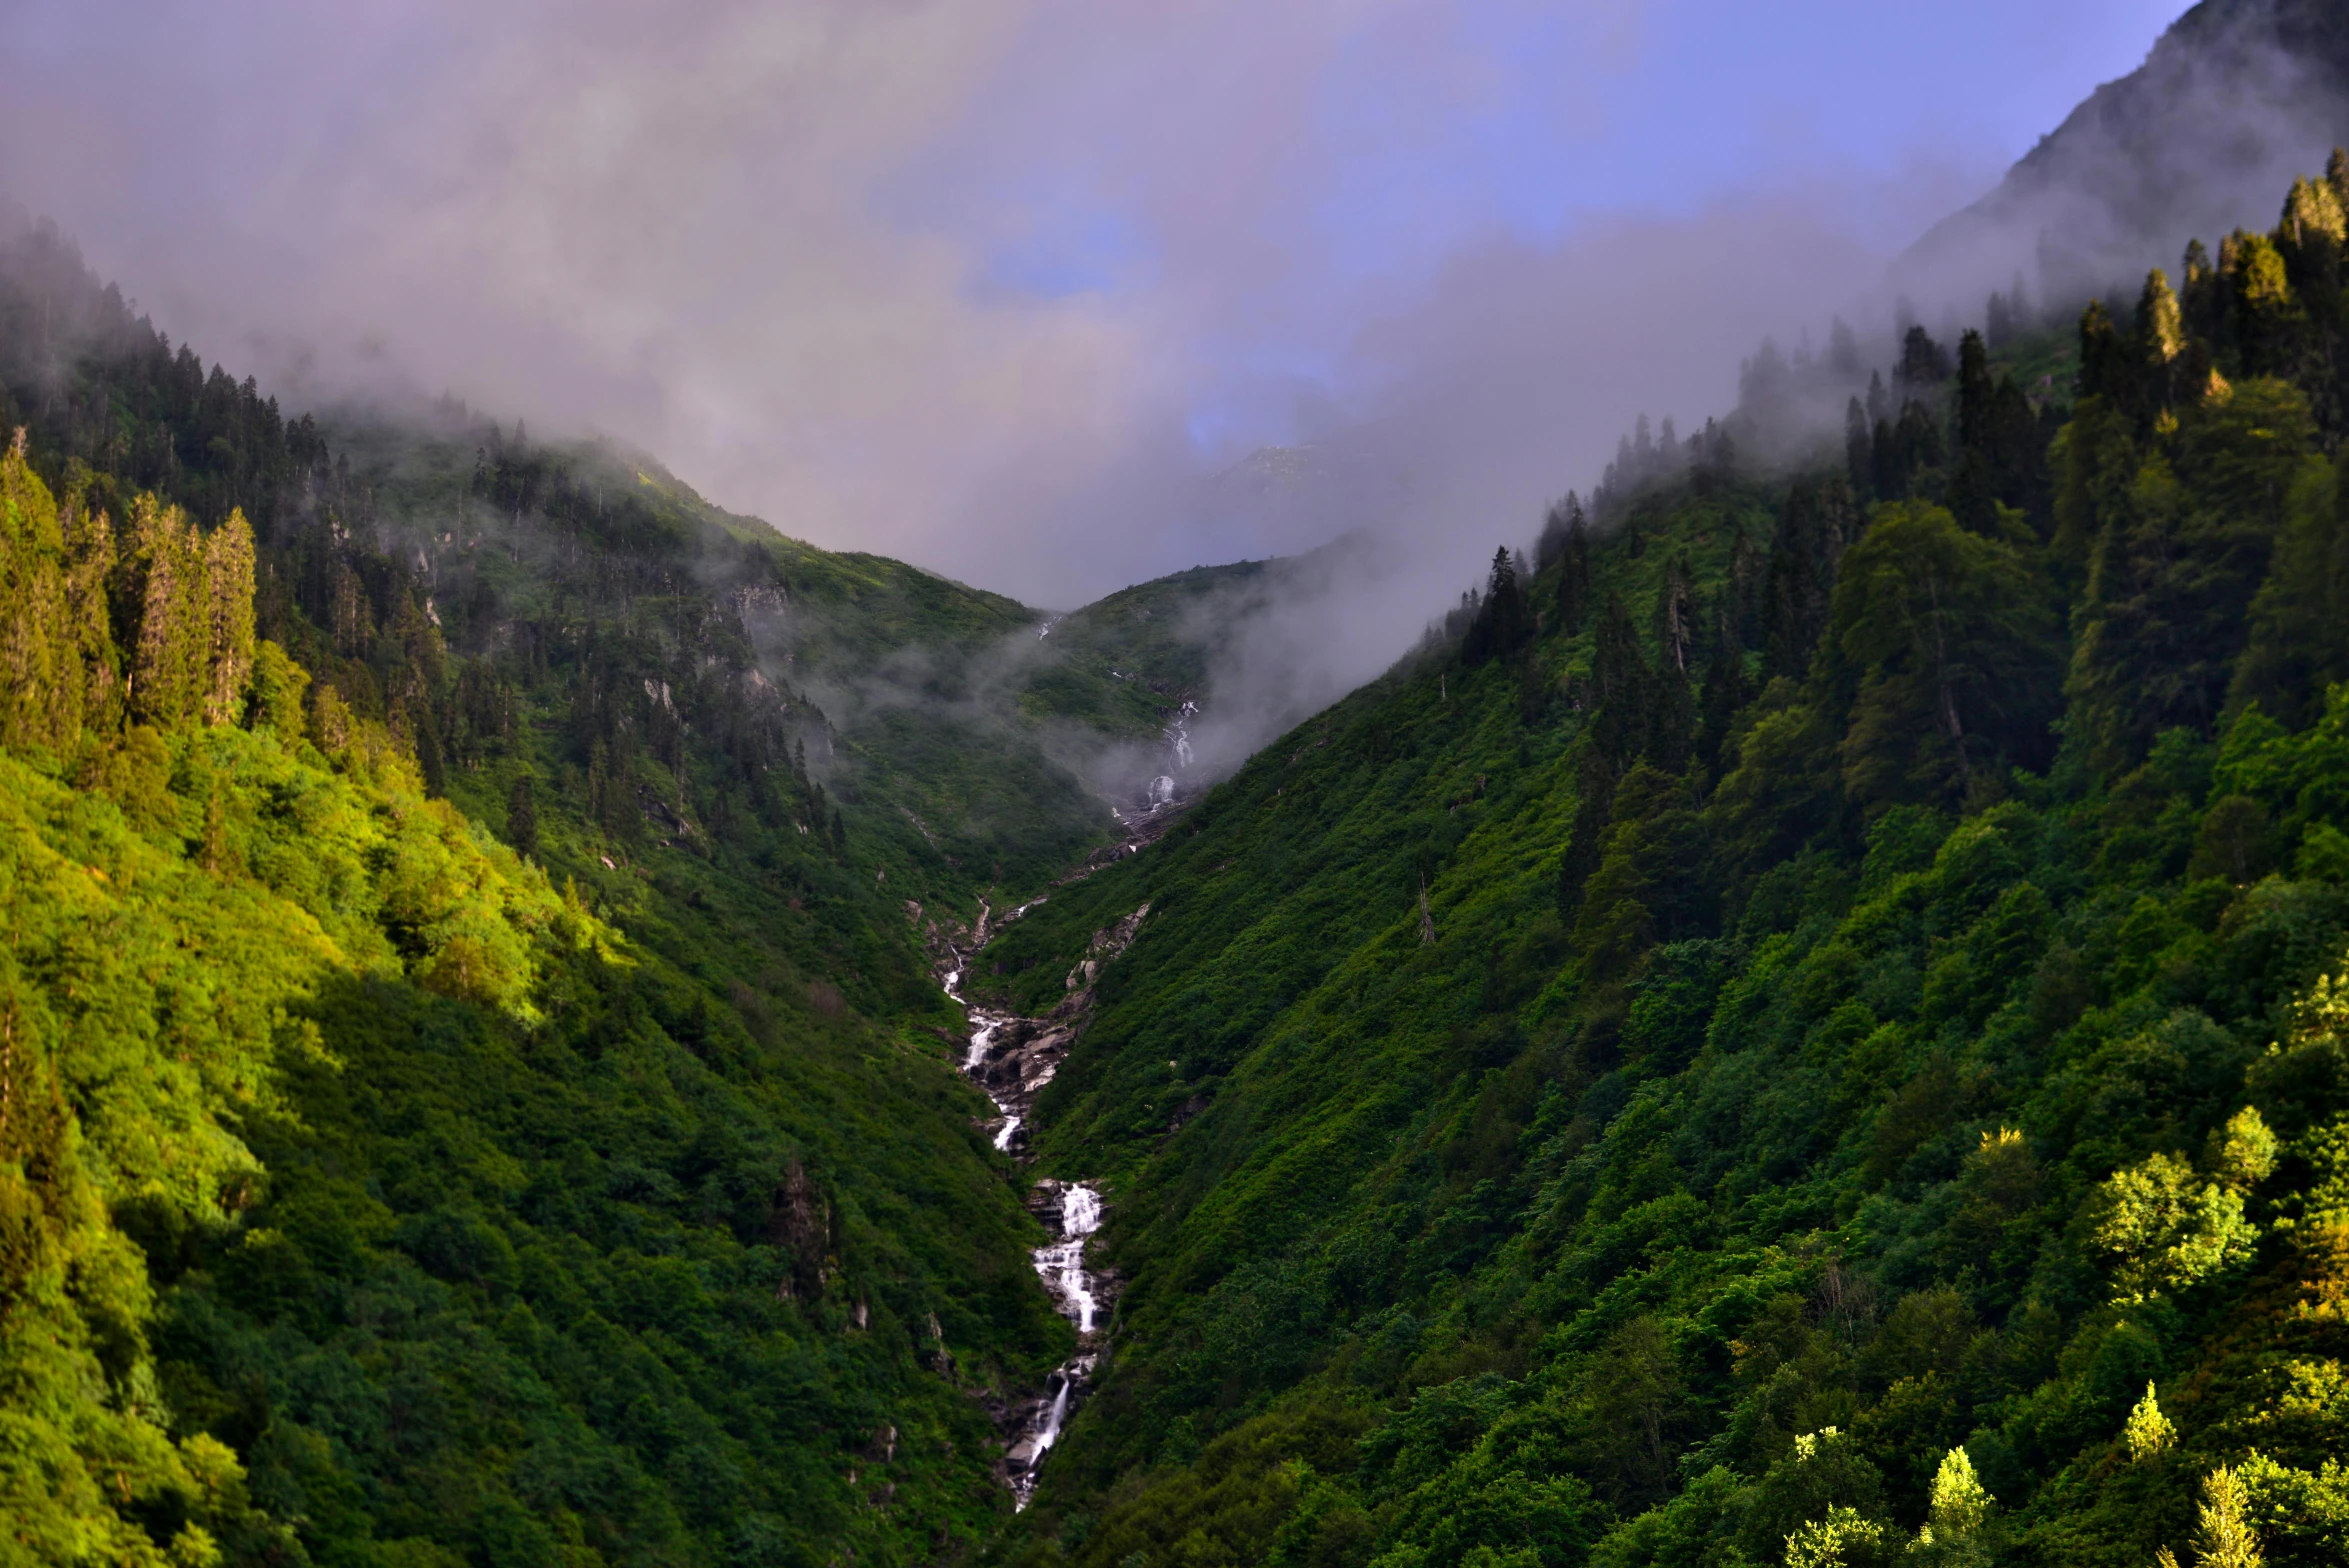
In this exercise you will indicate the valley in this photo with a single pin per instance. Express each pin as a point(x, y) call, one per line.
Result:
point(1802, 1021)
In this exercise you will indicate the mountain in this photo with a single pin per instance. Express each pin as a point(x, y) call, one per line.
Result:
point(1808, 1030)
point(1803, 1023)
point(472, 1081)
point(2235, 99)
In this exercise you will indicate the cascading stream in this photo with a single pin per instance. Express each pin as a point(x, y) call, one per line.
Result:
point(1075, 1289)
point(1011, 1059)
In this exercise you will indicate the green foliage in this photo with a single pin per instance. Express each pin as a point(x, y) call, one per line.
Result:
point(1797, 1137)
point(372, 1197)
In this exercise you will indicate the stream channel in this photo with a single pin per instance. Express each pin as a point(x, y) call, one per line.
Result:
point(1012, 1058)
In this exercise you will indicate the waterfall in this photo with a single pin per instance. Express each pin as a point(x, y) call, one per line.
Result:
point(1075, 1289)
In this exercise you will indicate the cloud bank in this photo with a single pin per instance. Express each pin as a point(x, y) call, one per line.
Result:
point(1002, 286)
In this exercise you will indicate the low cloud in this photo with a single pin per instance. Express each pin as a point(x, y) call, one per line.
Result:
point(1008, 289)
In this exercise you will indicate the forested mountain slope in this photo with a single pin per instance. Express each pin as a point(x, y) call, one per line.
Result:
point(470, 1087)
point(1807, 1026)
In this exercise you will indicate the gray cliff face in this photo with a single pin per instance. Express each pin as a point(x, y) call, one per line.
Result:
point(2235, 100)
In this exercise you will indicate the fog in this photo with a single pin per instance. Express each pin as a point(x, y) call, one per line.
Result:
point(1013, 289)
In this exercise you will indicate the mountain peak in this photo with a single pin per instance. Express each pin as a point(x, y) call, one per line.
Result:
point(2233, 101)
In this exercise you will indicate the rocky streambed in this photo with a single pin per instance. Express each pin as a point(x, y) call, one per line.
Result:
point(1012, 1058)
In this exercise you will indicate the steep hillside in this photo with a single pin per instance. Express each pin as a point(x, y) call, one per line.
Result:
point(470, 1089)
point(1808, 1031)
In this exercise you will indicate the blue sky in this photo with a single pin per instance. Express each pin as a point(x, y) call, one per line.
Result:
point(1580, 111)
point(1530, 122)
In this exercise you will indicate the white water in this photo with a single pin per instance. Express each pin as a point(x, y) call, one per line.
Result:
point(1060, 1264)
point(1063, 1263)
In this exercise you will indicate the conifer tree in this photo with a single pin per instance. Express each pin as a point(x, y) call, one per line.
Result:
point(2105, 368)
point(173, 642)
point(1502, 621)
point(1923, 362)
point(1973, 485)
point(2269, 325)
point(1859, 450)
point(228, 559)
point(1793, 598)
point(40, 675)
point(1574, 569)
point(1726, 691)
point(2226, 1538)
point(1677, 621)
point(90, 553)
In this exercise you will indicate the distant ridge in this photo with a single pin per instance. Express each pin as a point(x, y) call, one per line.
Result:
point(2235, 99)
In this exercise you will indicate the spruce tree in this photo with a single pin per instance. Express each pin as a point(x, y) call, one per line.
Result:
point(1793, 598)
point(1859, 448)
point(1502, 621)
point(1574, 569)
point(1973, 485)
point(228, 559)
point(172, 641)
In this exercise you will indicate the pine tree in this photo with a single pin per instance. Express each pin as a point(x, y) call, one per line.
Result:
point(2147, 1434)
point(1623, 686)
point(1725, 692)
point(1574, 569)
point(1677, 621)
point(1974, 394)
point(41, 683)
point(229, 581)
point(1973, 485)
point(2226, 1539)
point(172, 641)
point(1923, 362)
point(2269, 326)
point(1502, 622)
point(2161, 344)
point(1794, 600)
point(90, 553)
point(2105, 368)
